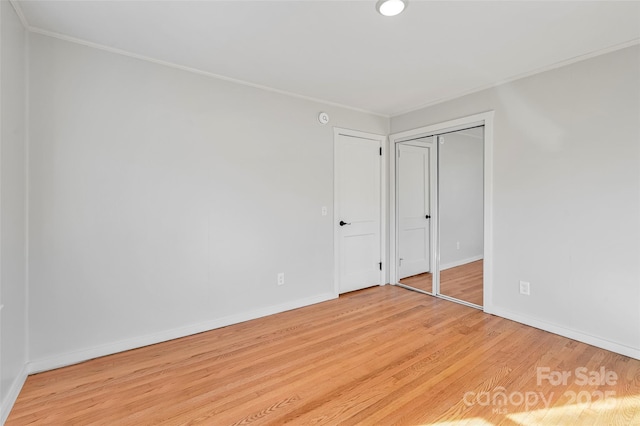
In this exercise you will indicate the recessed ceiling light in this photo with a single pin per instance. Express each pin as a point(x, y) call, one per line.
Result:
point(391, 7)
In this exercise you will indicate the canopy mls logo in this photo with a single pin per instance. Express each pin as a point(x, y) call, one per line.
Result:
point(500, 400)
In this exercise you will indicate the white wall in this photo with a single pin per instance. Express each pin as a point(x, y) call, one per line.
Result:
point(13, 286)
point(566, 195)
point(165, 202)
point(460, 196)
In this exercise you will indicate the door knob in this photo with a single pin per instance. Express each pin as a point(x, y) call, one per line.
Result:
point(428, 217)
point(343, 223)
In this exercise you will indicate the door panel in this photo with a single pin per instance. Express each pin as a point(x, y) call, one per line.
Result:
point(358, 201)
point(414, 237)
point(461, 213)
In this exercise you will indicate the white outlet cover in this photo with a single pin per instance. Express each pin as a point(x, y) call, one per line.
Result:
point(525, 288)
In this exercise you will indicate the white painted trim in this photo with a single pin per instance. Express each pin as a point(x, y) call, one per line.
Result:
point(487, 301)
point(383, 203)
point(460, 262)
point(383, 210)
point(12, 394)
point(359, 134)
point(569, 333)
point(450, 125)
point(516, 77)
point(27, 180)
point(196, 70)
point(393, 212)
point(486, 119)
point(435, 214)
point(435, 275)
point(81, 355)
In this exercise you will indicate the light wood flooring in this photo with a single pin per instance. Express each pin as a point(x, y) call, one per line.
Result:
point(422, 282)
point(379, 356)
point(463, 282)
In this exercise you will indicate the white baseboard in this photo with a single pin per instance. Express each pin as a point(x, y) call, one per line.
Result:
point(78, 356)
point(569, 333)
point(460, 262)
point(12, 394)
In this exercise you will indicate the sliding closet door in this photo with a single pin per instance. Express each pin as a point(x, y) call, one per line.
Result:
point(461, 214)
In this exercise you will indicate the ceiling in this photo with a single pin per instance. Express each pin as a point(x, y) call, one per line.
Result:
point(344, 52)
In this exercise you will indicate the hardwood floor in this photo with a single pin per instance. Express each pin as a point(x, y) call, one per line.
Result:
point(422, 282)
point(378, 356)
point(462, 282)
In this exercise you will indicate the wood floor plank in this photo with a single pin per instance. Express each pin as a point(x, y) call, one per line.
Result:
point(383, 355)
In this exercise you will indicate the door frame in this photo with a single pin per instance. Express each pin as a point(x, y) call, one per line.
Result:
point(381, 139)
point(485, 119)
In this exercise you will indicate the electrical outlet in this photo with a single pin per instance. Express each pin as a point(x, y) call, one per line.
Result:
point(324, 210)
point(525, 288)
point(281, 278)
point(458, 245)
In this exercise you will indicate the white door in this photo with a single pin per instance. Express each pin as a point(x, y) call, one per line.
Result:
point(414, 210)
point(357, 212)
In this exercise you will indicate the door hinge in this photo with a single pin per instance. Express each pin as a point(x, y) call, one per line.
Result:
point(380, 265)
point(381, 151)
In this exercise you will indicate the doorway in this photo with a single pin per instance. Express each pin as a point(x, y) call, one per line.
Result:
point(451, 191)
